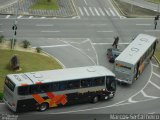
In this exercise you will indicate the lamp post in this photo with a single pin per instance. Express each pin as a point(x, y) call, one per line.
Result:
point(14, 27)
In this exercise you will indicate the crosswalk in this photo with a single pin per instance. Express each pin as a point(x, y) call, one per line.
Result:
point(95, 11)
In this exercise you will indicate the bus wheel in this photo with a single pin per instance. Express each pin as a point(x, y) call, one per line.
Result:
point(43, 107)
point(95, 99)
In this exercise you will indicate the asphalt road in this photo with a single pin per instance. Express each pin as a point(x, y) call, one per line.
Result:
point(83, 41)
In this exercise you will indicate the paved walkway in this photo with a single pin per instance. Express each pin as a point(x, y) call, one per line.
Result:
point(144, 4)
point(66, 9)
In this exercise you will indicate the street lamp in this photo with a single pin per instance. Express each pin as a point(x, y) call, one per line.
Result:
point(14, 27)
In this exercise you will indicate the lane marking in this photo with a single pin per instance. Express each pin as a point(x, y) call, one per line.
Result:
point(30, 17)
point(86, 11)
point(51, 31)
point(145, 95)
point(110, 43)
point(152, 30)
point(156, 74)
point(53, 46)
point(155, 65)
point(115, 9)
point(143, 24)
point(91, 11)
point(104, 31)
point(1, 31)
point(103, 14)
point(112, 12)
point(8, 16)
point(107, 12)
point(98, 24)
point(44, 25)
point(96, 11)
point(19, 17)
point(85, 2)
point(81, 11)
point(155, 85)
point(43, 17)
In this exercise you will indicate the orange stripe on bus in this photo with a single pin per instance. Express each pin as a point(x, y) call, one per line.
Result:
point(38, 82)
point(38, 98)
point(50, 95)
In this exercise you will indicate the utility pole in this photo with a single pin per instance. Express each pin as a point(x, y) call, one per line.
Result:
point(14, 27)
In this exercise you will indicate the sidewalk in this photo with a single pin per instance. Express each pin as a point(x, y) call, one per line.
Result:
point(66, 9)
point(144, 4)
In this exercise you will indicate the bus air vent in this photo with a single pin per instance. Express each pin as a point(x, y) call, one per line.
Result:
point(91, 69)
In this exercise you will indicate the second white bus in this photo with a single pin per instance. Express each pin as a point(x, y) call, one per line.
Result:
point(132, 61)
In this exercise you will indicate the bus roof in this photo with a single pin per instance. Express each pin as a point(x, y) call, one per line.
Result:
point(59, 75)
point(136, 49)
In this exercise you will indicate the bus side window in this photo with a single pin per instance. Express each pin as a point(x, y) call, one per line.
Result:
point(98, 81)
point(34, 89)
point(45, 88)
point(73, 84)
point(23, 90)
point(86, 83)
point(55, 86)
point(62, 86)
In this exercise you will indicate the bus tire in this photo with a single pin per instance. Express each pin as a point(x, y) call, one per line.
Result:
point(44, 106)
point(95, 99)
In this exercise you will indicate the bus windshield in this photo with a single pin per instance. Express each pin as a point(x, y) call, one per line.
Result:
point(9, 84)
point(124, 68)
point(111, 83)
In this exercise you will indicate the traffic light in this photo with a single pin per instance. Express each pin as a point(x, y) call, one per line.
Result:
point(14, 27)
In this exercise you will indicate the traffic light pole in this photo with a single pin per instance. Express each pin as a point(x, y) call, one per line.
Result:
point(14, 28)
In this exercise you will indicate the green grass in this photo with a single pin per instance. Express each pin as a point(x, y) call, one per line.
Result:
point(1, 96)
point(157, 53)
point(28, 62)
point(154, 1)
point(44, 5)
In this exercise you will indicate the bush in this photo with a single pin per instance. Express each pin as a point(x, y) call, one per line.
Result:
point(39, 49)
point(1, 38)
point(1, 96)
point(26, 44)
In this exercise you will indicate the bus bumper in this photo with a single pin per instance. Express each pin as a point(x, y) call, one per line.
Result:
point(10, 106)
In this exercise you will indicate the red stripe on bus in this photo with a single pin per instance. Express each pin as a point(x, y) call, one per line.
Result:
point(38, 82)
point(50, 95)
point(24, 84)
point(38, 98)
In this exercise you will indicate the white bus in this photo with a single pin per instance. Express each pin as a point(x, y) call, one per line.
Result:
point(45, 89)
point(132, 61)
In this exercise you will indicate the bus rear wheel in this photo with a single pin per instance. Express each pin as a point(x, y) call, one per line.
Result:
point(95, 99)
point(43, 107)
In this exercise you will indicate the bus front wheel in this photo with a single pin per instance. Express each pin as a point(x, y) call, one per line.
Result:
point(43, 107)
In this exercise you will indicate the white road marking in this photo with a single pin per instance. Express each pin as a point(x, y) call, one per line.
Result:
point(85, 2)
point(143, 24)
point(86, 11)
point(44, 25)
point(112, 12)
point(30, 17)
point(98, 24)
point(91, 11)
point(151, 30)
point(114, 9)
point(132, 101)
point(155, 65)
point(145, 95)
point(81, 11)
point(96, 11)
point(104, 31)
point(8, 16)
point(51, 31)
point(107, 12)
point(19, 17)
point(155, 85)
point(110, 43)
point(156, 74)
point(101, 11)
point(1, 31)
point(53, 46)
point(43, 17)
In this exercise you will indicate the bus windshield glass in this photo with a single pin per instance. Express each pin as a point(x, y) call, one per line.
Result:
point(121, 67)
point(111, 83)
point(9, 84)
